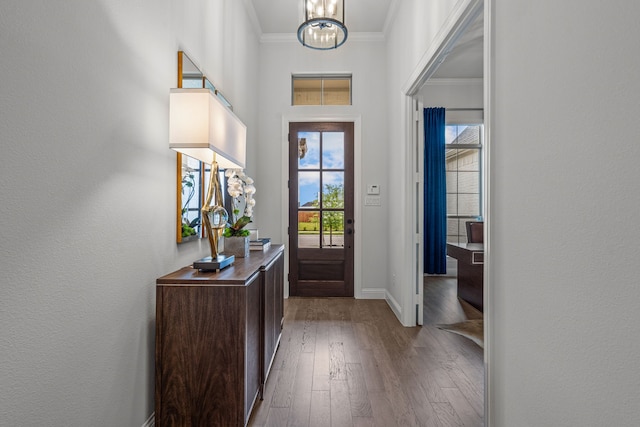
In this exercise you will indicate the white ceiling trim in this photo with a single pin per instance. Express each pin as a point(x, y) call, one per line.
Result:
point(454, 82)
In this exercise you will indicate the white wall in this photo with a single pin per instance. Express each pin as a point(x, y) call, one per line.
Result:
point(87, 184)
point(454, 93)
point(366, 61)
point(563, 231)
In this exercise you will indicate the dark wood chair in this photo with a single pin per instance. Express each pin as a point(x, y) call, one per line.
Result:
point(475, 232)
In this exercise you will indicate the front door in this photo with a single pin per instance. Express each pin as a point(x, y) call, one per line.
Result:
point(321, 209)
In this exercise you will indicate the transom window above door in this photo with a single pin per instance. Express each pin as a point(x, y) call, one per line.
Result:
point(321, 89)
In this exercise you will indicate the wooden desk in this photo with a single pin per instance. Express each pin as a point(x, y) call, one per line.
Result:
point(470, 258)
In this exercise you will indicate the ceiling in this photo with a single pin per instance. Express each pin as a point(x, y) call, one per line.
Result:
point(278, 17)
point(284, 16)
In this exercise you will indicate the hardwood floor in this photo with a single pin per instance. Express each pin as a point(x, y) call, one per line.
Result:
point(346, 362)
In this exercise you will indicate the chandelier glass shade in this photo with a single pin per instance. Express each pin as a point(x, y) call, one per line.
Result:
point(323, 27)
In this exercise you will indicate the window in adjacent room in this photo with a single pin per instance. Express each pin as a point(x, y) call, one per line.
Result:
point(321, 89)
point(464, 178)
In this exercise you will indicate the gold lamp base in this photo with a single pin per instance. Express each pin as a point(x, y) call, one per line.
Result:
point(215, 219)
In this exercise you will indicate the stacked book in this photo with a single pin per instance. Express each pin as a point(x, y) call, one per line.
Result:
point(260, 244)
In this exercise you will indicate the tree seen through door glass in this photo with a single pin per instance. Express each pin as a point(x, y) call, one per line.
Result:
point(333, 229)
point(333, 190)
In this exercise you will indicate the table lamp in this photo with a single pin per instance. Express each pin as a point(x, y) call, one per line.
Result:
point(202, 127)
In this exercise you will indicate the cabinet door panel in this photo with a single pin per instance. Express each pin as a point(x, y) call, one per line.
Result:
point(199, 335)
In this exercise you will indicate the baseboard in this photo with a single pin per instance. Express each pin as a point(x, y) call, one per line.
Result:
point(151, 421)
point(395, 307)
point(373, 293)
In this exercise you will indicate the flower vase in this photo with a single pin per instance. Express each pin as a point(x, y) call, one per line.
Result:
point(237, 245)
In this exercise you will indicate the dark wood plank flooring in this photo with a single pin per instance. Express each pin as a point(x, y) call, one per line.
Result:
point(345, 362)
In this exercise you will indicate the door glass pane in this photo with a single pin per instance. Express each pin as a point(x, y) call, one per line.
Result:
point(308, 229)
point(332, 190)
point(333, 150)
point(333, 229)
point(308, 189)
point(308, 150)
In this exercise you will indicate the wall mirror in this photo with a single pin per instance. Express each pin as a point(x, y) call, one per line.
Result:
point(192, 175)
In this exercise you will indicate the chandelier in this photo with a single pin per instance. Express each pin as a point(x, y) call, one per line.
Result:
point(323, 27)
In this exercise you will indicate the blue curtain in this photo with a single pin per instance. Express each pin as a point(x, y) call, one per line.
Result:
point(435, 192)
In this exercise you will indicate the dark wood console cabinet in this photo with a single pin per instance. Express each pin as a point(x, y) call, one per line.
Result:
point(216, 336)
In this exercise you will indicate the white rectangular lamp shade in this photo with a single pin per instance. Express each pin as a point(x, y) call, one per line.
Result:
point(201, 127)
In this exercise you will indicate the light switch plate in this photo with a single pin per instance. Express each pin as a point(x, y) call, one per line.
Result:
point(373, 189)
point(372, 201)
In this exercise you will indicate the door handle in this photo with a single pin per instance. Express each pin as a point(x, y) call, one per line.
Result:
point(349, 231)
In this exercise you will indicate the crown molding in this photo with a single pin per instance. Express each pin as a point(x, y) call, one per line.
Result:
point(454, 82)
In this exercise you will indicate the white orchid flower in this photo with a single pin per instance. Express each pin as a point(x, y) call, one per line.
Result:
point(240, 187)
